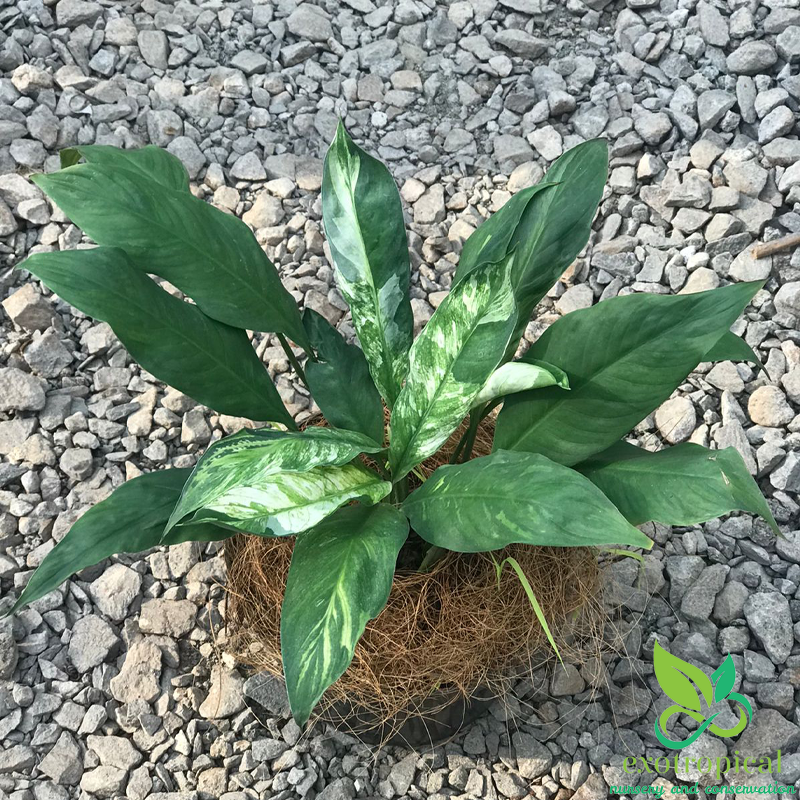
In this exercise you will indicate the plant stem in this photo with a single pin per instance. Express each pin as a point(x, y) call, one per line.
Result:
point(431, 557)
point(400, 491)
point(472, 432)
point(292, 359)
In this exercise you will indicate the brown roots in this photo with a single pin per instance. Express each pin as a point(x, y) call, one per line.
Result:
point(452, 627)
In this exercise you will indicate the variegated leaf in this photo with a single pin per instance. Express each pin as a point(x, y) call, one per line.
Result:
point(292, 502)
point(246, 460)
point(450, 362)
point(340, 578)
point(515, 498)
point(363, 221)
point(518, 376)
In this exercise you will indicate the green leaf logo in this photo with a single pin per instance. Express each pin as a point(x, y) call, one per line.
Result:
point(694, 693)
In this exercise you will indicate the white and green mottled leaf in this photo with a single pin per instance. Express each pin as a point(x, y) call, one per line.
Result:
point(247, 460)
point(519, 376)
point(515, 498)
point(450, 362)
point(340, 578)
point(363, 220)
point(682, 485)
point(288, 502)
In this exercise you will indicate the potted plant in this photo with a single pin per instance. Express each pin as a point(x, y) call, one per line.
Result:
point(341, 504)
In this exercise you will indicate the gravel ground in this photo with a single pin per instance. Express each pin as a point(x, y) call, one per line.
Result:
point(110, 686)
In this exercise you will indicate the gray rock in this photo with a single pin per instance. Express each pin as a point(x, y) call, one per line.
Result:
point(533, 758)
point(115, 590)
point(788, 44)
point(778, 122)
point(676, 419)
point(786, 477)
point(47, 356)
point(77, 463)
point(115, 751)
point(713, 25)
point(248, 168)
point(225, 696)
point(729, 604)
point(768, 732)
point(402, 774)
point(269, 692)
point(105, 782)
point(309, 22)
point(249, 62)
point(8, 650)
point(430, 208)
point(652, 127)
point(72, 13)
point(173, 618)
point(28, 309)
point(189, 153)
point(92, 642)
point(154, 48)
point(787, 299)
point(566, 681)
point(770, 620)
point(768, 406)
point(18, 758)
point(64, 763)
point(752, 58)
point(340, 789)
point(699, 599)
point(521, 43)
point(139, 678)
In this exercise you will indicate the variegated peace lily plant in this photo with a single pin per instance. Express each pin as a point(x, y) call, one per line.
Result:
point(561, 472)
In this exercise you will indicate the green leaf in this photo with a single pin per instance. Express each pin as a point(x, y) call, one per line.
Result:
point(248, 460)
point(515, 498)
point(363, 221)
point(495, 238)
point(550, 230)
point(292, 502)
point(129, 521)
point(211, 256)
point(175, 341)
point(624, 357)
point(732, 348)
point(450, 362)
point(340, 381)
point(724, 677)
point(518, 376)
point(339, 579)
point(681, 680)
point(682, 485)
point(151, 161)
